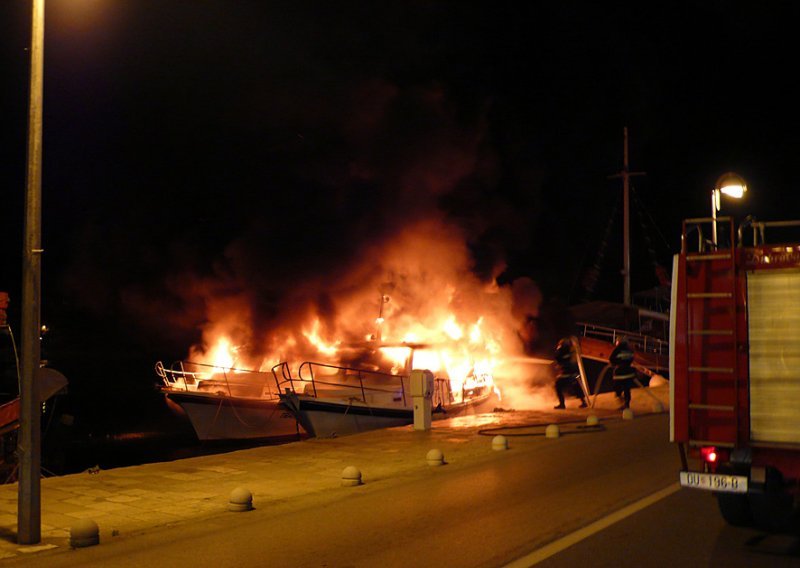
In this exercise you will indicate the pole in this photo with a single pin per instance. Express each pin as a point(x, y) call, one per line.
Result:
point(625, 174)
point(626, 231)
point(29, 444)
point(714, 199)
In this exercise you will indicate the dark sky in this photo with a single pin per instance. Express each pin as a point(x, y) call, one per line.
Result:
point(184, 140)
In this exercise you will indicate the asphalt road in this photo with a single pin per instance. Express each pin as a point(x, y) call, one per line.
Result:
point(684, 529)
point(487, 512)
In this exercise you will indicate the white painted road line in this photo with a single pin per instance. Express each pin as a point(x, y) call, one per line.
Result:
point(573, 538)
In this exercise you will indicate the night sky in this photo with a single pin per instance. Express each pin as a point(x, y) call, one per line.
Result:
point(212, 142)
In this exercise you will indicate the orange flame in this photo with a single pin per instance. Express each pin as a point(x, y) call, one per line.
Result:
point(314, 337)
point(415, 289)
point(222, 355)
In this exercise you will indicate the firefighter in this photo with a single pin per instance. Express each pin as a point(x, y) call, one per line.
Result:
point(567, 369)
point(622, 360)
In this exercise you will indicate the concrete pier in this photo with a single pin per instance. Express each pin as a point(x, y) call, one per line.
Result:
point(130, 500)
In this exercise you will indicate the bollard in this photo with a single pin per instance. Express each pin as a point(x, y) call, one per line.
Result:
point(627, 414)
point(435, 457)
point(241, 500)
point(592, 420)
point(351, 476)
point(499, 443)
point(552, 431)
point(84, 533)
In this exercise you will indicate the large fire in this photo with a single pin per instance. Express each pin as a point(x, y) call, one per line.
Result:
point(416, 289)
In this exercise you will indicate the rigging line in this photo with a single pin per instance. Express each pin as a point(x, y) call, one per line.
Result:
point(652, 221)
point(578, 274)
point(588, 278)
point(648, 242)
point(592, 276)
point(660, 272)
point(579, 277)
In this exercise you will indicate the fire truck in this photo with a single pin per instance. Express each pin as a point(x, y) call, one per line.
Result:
point(735, 367)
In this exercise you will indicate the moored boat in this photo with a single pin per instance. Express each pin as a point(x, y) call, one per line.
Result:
point(228, 403)
point(644, 330)
point(330, 400)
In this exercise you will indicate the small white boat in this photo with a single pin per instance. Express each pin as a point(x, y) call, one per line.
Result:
point(331, 400)
point(228, 403)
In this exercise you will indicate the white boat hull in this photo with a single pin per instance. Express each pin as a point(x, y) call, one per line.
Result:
point(220, 417)
point(329, 418)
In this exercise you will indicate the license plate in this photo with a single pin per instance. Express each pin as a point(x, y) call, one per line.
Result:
point(714, 482)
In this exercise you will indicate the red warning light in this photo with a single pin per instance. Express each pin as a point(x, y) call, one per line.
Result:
point(709, 454)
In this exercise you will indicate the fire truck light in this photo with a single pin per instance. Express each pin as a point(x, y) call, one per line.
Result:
point(709, 454)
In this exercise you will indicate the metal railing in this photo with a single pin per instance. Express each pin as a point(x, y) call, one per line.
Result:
point(638, 341)
point(177, 378)
point(443, 393)
point(759, 229)
point(344, 380)
point(189, 376)
point(705, 245)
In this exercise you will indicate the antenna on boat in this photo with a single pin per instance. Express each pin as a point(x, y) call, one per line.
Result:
point(379, 320)
point(625, 174)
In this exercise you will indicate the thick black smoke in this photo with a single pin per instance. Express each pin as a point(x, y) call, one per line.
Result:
point(242, 171)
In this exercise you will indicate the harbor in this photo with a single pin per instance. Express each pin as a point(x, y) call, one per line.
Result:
point(398, 284)
point(173, 496)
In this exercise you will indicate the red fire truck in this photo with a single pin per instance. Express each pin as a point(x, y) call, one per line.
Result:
point(735, 367)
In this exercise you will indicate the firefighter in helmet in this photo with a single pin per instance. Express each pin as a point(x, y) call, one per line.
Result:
point(624, 373)
point(567, 374)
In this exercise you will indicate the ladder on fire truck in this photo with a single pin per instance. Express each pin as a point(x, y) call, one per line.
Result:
point(712, 374)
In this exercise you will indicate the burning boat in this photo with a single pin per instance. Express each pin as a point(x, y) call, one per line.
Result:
point(334, 400)
point(226, 403)
point(321, 344)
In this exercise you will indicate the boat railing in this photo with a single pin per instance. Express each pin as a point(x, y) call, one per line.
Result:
point(315, 378)
point(177, 378)
point(285, 377)
point(443, 392)
point(638, 341)
point(190, 376)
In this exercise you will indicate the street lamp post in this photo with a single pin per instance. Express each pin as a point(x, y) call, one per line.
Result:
point(29, 444)
point(731, 185)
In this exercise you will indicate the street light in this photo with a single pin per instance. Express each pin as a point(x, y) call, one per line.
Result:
point(29, 444)
point(731, 185)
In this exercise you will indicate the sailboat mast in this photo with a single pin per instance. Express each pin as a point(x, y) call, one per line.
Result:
point(626, 221)
point(626, 174)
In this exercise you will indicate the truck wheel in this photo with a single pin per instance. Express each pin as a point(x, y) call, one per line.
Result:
point(735, 509)
point(772, 511)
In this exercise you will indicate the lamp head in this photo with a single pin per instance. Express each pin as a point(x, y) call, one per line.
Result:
point(731, 185)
